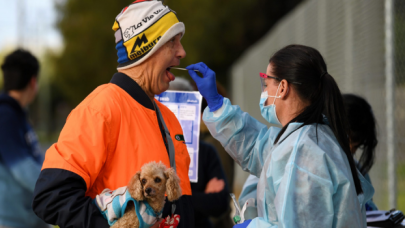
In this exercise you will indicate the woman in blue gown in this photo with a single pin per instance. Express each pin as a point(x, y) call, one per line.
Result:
point(307, 174)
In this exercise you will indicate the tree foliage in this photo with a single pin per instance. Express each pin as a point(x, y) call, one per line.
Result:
point(217, 33)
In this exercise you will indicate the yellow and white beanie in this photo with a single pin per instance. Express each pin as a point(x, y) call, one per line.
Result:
point(142, 28)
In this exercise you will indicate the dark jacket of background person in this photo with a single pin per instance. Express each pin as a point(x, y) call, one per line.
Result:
point(211, 209)
point(20, 165)
point(211, 204)
point(223, 221)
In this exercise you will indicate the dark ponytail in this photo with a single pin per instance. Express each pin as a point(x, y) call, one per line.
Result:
point(362, 131)
point(298, 63)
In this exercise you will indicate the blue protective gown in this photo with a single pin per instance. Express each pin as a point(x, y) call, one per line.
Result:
point(249, 191)
point(305, 181)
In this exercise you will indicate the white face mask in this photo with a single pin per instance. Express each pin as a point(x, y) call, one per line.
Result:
point(269, 112)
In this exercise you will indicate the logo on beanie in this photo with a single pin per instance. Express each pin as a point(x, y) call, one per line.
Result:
point(131, 31)
point(135, 53)
point(139, 42)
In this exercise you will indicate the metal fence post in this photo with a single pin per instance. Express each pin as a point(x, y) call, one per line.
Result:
point(390, 100)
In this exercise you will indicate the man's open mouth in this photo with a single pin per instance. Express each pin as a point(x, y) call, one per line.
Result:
point(169, 74)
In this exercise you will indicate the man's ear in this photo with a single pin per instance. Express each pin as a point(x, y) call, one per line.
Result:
point(135, 188)
point(33, 82)
point(173, 189)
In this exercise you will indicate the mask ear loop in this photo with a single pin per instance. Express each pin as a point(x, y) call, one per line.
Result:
point(275, 97)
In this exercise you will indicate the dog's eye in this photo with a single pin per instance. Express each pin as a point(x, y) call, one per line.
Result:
point(143, 181)
point(157, 180)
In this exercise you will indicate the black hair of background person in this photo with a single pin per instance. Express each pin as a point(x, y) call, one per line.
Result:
point(363, 130)
point(303, 64)
point(18, 69)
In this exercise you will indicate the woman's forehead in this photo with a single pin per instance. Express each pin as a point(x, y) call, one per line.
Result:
point(267, 80)
point(269, 70)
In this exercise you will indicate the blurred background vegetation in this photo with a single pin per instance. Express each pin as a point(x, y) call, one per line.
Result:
point(217, 33)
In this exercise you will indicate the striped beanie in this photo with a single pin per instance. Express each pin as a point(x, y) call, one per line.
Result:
point(142, 28)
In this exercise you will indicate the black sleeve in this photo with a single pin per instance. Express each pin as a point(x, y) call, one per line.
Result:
point(212, 204)
point(59, 199)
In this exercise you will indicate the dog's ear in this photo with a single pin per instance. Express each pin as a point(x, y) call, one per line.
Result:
point(173, 189)
point(135, 188)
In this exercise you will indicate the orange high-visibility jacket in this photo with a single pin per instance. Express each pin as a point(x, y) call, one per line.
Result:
point(110, 135)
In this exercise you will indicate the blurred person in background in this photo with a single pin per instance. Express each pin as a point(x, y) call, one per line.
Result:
point(119, 127)
point(20, 155)
point(362, 134)
point(211, 192)
point(308, 176)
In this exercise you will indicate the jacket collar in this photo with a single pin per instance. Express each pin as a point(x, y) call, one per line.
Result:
point(133, 89)
point(7, 99)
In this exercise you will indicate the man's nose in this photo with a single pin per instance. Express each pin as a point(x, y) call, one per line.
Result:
point(181, 53)
point(148, 190)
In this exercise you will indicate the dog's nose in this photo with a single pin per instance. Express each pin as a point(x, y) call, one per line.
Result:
point(148, 190)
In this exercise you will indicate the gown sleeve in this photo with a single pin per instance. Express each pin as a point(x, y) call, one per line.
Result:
point(249, 190)
point(245, 139)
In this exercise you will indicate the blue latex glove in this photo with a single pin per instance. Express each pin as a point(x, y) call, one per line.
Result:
point(206, 85)
point(243, 225)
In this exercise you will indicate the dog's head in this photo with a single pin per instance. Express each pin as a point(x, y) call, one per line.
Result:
point(153, 181)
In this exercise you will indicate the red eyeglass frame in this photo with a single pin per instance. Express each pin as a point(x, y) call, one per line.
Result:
point(263, 75)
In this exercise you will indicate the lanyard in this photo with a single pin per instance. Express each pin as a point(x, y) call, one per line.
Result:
point(168, 139)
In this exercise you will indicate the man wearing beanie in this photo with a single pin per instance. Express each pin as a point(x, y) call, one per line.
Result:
point(120, 127)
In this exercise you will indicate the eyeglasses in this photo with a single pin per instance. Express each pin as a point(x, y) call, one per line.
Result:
point(263, 75)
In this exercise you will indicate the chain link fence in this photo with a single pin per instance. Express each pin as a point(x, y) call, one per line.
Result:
point(399, 50)
point(350, 34)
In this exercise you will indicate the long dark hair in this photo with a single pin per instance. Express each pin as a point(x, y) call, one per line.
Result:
point(298, 63)
point(362, 126)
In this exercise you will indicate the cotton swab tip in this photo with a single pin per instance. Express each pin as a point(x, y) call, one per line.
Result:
point(179, 68)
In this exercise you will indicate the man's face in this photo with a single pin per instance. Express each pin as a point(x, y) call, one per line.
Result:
point(167, 56)
point(32, 89)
